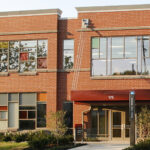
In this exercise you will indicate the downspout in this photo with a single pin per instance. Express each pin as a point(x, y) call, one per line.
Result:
point(83, 122)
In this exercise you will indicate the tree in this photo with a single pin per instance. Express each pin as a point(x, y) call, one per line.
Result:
point(143, 123)
point(57, 124)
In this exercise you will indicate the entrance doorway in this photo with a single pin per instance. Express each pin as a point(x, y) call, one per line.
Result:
point(120, 125)
point(109, 124)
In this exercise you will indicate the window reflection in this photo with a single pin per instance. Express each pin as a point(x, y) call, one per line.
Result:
point(130, 47)
point(99, 67)
point(124, 67)
point(117, 47)
point(68, 58)
point(121, 56)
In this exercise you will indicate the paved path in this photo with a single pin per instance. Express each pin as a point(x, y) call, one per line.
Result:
point(101, 147)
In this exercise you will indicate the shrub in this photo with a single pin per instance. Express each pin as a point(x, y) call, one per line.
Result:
point(64, 140)
point(143, 145)
point(8, 137)
point(21, 137)
point(1, 136)
point(39, 141)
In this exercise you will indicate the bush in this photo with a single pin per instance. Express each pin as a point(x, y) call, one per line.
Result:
point(21, 137)
point(1, 136)
point(8, 137)
point(64, 140)
point(39, 141)
point(143, 145)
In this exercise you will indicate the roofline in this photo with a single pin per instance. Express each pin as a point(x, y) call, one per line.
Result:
point(113, 8)
point(31, 12)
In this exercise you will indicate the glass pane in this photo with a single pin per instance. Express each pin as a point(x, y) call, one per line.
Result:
point(68, 44)
point(3, 57)
point(42, 48)
point(98, 67)
point(145, 44)
point(31, 114)
point(146, 66)
point(117, 47)
point(27, 124)
point(41, 115)
point(41, 63)
point(95, 54)
point(27, 66)
point(139, 57)
point(14, 44)
point(68, 59)
point(95, 43)
point(109, 57)
point(22, 114)
point(116, 132)
point(27, 99)
point(130, 47)
point(103, 47)
point(13, 97)
point(32, 56)
point(124, 67)
point(3, 100)
point(4, 45)
point(24, 56)
point(103, 122)
point(94, 122)
point(117, 119)
point(3, 66)
point(3, 115)
point(28, 44)
point(13, 60)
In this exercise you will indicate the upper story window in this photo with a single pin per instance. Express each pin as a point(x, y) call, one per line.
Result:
point(68, 54)
point(23, 56)
point(128, 55)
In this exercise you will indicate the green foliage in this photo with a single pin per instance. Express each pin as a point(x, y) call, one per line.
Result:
point(64, 140)
point(1, 136)
point(8, 137)
point(21, 137)
point(143, 145)
point(68, 62)
point(39, 141)
point(58, 126)
point(143, 123)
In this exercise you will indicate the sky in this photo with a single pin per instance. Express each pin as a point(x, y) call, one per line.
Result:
point(67, 6)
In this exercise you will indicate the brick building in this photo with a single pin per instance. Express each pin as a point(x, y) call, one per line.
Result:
point(93, 61)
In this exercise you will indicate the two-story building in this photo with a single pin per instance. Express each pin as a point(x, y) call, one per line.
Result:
point(48, 63)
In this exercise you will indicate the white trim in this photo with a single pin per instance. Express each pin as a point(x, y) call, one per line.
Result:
point(67, 18)
point(94, 11)
point(29, 15)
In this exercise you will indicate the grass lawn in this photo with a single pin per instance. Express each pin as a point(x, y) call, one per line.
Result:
point(13, 145)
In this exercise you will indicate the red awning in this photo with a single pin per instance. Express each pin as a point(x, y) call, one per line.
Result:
point(109, 95)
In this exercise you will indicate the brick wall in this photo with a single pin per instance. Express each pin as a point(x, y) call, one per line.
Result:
point(69, 29)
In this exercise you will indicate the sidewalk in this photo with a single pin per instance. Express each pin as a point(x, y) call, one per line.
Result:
point(98, 146)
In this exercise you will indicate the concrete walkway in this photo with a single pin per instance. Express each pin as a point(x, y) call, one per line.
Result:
point(96, 146)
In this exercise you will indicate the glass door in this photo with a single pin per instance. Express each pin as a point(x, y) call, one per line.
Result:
point(120, 125)
point(116, 124)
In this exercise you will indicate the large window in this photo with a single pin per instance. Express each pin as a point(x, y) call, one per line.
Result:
point(22, 110)
point(23, 56)
point(129, 55)
point(68, 54)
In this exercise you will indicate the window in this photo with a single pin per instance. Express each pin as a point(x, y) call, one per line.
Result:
point(24, 56)
point(68, 56)
point(129, 55)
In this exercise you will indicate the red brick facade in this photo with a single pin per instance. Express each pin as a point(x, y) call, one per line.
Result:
point(56, 81)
